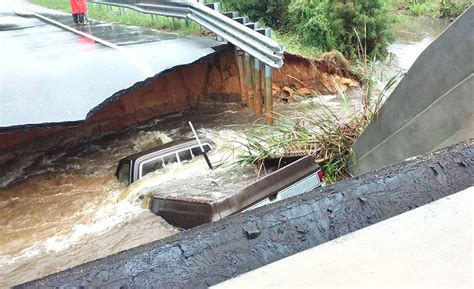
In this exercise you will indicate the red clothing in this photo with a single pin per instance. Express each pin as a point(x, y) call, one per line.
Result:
point(78, 6)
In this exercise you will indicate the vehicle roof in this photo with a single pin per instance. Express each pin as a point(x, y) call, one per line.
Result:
point(185, 212)
point(172, 146)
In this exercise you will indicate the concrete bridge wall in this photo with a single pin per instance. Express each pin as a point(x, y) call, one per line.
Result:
point(432, 107)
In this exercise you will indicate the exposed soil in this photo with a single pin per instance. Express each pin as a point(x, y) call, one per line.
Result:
point(215, 252)
point(302, 77)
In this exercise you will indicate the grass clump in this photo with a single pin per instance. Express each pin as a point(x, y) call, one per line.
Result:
point(127, 17)
point(441, 8)
point(319, 128)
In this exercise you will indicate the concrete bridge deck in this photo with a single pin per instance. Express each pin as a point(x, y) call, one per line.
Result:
point(51, 75)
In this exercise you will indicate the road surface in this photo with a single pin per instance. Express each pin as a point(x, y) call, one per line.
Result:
point(50, 75)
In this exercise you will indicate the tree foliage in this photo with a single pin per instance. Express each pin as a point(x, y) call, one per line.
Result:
point(326, 24)
point(272, 12)
point(343, 25)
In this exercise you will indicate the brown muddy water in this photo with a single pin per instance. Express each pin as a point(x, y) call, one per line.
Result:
point(62, 208)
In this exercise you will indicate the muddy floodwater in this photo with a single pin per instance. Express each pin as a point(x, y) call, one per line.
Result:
point(63, 208)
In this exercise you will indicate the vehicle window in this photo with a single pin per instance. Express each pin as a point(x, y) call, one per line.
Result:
point(185, 156)
point(124, 174)
point(170, 159)
point(152, 166)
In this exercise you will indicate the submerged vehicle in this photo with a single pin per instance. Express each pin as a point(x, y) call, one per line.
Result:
point(134, 167)
point(297, 177)
point(293, 176)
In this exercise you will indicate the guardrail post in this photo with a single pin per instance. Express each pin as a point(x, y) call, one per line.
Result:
point(239, 56)
point(268, 87)
point(257, 86)
point(256, 79)
point(248, 80)
point(109, 8)
point(217, 7)
point(247, 72)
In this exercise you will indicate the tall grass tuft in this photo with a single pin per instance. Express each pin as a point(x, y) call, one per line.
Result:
point(321, 129)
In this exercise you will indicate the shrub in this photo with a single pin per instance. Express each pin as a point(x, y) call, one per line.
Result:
point(343, 24)
point(272, 12)
point(452, 8)
point(442, 8)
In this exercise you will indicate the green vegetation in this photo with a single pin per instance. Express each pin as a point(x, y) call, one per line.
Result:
point(127, 17)
point(272, 12)
point(320, 130)
point(310, 27)
point(441, 8)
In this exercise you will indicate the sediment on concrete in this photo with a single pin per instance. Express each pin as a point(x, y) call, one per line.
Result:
point(215, 252)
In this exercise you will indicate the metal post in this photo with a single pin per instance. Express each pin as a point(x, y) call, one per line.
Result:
point(257, 86)
point(217, 7)
point(109, 8)
point(121, 11)
point(268, 80)
point(248, 80)
point(239, 56)
point(256, 81)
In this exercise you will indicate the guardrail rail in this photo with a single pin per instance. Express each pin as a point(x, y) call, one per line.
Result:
point(256, 53)
point(253, 42)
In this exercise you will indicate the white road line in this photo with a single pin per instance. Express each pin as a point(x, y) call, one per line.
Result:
point(132, 57)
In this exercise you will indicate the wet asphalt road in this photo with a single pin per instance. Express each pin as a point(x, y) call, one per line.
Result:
point(50, 75)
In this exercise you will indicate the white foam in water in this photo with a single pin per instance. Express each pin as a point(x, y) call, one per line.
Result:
point(146, 139)
point(407, 53)
point(107, 217)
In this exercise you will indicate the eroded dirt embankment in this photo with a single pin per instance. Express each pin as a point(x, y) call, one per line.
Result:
point(215, 252)
point(211, 78)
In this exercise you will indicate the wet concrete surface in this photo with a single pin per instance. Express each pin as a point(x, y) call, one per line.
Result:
point(212, 253)
point(433, 246)
point(51, 75)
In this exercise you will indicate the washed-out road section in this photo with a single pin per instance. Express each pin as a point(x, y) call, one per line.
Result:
point(52, 75)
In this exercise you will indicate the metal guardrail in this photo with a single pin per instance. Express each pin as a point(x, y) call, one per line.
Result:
point(254, 43)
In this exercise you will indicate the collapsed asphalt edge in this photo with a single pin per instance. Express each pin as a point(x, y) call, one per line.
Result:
point(216, 252)
point(212, 57)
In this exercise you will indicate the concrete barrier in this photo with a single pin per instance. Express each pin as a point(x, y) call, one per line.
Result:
point(428, 247)
point(212, 253)
point(432, 107)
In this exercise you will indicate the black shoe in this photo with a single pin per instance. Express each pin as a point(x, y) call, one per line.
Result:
point(81, 19)
point(75, 18)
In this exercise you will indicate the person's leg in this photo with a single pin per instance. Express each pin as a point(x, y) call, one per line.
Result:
point(81, 18)
point(75, 18)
